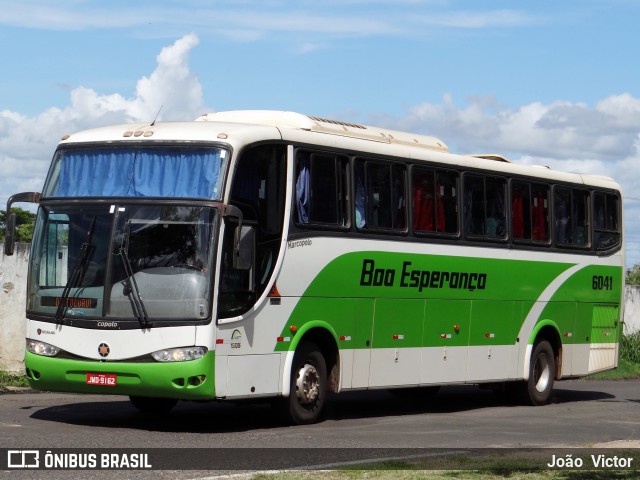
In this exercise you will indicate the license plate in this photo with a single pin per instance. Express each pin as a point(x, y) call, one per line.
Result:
point(102, 379)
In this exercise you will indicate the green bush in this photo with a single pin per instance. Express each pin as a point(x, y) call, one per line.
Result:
point(633, 275)
point(11, 380)
point(630, 347)
point(25, 221)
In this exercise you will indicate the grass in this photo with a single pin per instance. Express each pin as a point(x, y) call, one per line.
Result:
point(626, 371)
point(10, 380)
point(450, 475)
point(514, 466)
point(630, 347)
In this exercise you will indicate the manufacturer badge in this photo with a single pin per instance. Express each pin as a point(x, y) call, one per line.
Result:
point(103, 349)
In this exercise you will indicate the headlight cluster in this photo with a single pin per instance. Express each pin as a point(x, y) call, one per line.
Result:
point(183, 354)
point(42, 348)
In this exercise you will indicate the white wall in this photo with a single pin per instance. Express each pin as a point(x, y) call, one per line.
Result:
point(13, 280)
point(13, 298)
point(632, 309)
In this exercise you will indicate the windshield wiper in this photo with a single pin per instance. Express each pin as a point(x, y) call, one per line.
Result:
point(131, 289)
point(77, 274)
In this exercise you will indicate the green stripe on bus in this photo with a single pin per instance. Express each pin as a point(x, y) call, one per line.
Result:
point(385, 300)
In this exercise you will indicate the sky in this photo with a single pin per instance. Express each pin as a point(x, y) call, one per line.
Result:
point(546, 82)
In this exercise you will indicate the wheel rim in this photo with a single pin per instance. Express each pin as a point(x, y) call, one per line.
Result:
point(307, 384)
point(541, 373)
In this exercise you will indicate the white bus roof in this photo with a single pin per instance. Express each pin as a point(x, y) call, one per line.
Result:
point(247, 126)
point(323, 125)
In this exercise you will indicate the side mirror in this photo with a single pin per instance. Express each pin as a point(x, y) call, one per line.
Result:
point(10, 235)
point(244, 247)
point(244, 242)
point(10, 228)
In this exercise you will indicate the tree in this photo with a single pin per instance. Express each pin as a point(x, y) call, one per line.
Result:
point(25, 221)
point(633, 275)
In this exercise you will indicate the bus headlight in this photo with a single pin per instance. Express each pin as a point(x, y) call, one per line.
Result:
point(42, 348)
point(183, 354)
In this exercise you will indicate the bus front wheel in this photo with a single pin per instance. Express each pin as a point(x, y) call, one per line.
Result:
point(153, 405)
point(542, 368)
point(308, 385)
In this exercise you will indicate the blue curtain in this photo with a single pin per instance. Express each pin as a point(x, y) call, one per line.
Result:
point(140, 172)
point(302, 191)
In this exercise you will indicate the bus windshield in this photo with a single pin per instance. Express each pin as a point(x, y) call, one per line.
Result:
point(123, 261)
point(138, 171)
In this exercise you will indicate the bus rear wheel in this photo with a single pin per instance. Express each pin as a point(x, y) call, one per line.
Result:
point(308, 385)
point(542, 368)
point(153, 405)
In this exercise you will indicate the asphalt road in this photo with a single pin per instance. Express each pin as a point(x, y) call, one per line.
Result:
point(582, 414)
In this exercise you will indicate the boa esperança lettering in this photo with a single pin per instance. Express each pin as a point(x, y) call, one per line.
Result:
point(371, 276)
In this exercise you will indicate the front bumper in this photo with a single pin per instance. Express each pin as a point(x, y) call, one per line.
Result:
point(191, 380)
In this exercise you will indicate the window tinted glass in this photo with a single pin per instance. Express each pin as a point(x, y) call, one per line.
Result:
point(484, 200)
point(380, 195)
point(570, 217)
point(530, 211)
point(320, 189)
point(605, 220)
point(434, 201)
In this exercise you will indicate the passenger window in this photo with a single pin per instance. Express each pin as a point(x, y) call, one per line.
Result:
point(434, 201)
point(540, 231)
point(380, 195)
point(606, 227)
point(484, 201)
point(320, 189)
point(530, 211)
point(571, 217)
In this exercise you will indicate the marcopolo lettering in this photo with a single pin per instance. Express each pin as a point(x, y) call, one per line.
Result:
point(371, 276)
point(299, 243)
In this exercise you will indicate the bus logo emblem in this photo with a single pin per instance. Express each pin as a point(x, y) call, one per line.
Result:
point(103, 349)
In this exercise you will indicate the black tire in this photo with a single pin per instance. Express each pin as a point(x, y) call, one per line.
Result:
point(308, 386)
point(153, 405)
point(542, 370)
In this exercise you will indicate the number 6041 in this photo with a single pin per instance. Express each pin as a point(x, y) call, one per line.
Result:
point(601, 282)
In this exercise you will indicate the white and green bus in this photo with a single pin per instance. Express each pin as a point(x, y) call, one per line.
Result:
point(262, 254)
